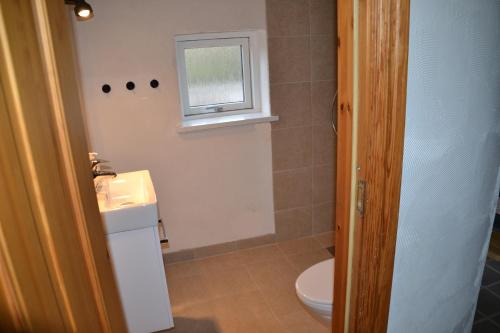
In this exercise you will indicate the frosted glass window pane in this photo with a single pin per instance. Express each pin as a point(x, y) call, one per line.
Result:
point(214, 75)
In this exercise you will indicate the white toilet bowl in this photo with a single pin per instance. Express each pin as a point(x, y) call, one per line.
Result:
point(315, 289)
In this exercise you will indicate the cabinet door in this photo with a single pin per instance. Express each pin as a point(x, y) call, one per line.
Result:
point(138, 264)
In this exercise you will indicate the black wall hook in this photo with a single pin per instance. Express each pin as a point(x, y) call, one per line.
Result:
point(130, 85)
point(106, 88)
point(154, 83)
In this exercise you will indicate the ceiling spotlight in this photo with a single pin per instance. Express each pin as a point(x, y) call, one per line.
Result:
point(83, 10)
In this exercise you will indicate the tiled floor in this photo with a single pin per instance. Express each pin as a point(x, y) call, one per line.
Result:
point(246, 291)
point(487, 319)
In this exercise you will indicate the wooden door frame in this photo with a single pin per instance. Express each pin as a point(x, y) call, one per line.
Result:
point(55, 272)
point(372, 63)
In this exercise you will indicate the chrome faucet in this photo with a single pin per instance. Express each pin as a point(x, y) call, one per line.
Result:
point(95, 165)
point(99, 173)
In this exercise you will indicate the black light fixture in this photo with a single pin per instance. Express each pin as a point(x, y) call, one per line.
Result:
point(83, 10)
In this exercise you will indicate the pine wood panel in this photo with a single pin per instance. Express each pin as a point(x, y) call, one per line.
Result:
point(344, 156)
point(63, 81)
point(53, 245)
point(28, 298)
point(383, 53)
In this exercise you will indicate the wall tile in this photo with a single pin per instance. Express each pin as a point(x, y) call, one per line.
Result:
point(298, 246)
point(305, 260)
point(326, 239)
point(322, 14)
point(293, 223)
point(292, 148)
point(324, 147)
point(292, 103)
point(178, 256)
point(256, 241)
point(323, 218)
point(289, 59)
point(212, 250)
point(292, 188)
point(323, 58)
point(302, 74)
point(322, 93)
point(323, 183)
point(287, 17)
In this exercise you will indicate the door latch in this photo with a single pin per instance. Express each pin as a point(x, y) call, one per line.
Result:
point(361, 197)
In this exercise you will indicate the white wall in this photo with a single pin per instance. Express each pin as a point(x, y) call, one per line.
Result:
point(451, 164)
point(213, 186)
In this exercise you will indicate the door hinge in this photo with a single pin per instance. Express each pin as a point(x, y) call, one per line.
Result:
point(361, 197)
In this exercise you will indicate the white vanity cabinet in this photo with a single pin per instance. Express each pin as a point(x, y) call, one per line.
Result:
point(139, 271)
point(129, 212)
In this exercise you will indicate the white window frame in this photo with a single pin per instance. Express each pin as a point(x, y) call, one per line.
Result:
point(203, 110)
point(257, 107)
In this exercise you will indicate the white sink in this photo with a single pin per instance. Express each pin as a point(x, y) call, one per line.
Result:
point(127, 201)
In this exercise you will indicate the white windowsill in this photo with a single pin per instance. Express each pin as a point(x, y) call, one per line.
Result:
point(224, 121)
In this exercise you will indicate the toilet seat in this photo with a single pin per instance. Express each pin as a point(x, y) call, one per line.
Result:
point(315, 285)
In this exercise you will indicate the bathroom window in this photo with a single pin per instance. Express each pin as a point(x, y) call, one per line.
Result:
point(221, 75)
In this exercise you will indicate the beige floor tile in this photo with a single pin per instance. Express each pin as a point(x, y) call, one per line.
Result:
point(218, 264)
point(183, 269)
point(191, 325)
point(273, 274)
point(186, 291)
point(302, 322)
point(261, 254)
point(298, 246)
point(196, 318)
point(305, 260)
point(229, 282)
point(282, 300)
point(245, 312)
point(262, 323)
point(326, 239)
point(249, 290)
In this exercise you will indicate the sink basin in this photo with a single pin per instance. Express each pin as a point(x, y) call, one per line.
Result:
point(127, 201)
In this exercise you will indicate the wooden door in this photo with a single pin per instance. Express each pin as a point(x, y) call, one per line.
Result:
point(373, 52)
point(54, 268)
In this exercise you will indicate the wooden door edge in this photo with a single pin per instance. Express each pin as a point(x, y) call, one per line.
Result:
point(42, 18)
point(62, 73)
point(383, 29)
point(345, 108)
point(54, 247)
point(369, 57)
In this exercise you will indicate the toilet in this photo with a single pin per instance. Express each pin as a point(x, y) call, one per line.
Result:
point(314, 288)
